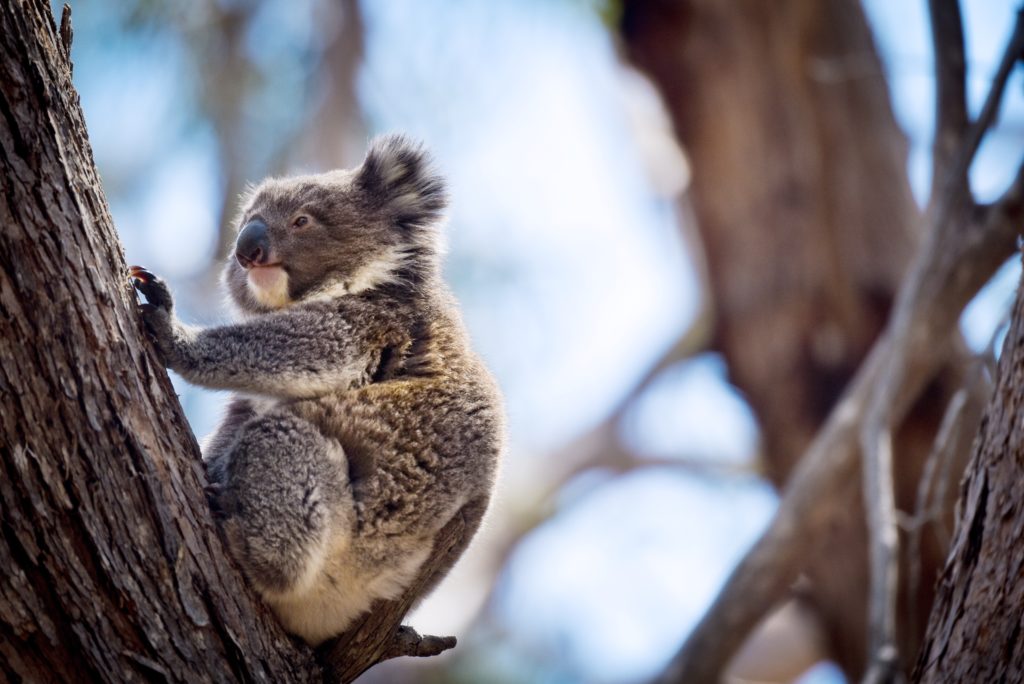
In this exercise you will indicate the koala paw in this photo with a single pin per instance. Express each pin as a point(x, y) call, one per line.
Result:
point(156, 291)
point(215, 498)
point(156, 313)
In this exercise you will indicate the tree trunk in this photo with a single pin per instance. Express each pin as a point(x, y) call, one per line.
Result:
point(807, 222)
point(112, 568)
point(976, 631)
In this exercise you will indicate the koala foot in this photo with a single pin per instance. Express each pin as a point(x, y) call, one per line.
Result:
point(213, 492)
point(285, 500)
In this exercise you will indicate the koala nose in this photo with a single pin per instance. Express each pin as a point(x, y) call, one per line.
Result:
point(253, 245)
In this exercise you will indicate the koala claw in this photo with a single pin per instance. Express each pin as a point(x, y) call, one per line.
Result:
point(156, 312)
point(156, 291)
point(139, 272)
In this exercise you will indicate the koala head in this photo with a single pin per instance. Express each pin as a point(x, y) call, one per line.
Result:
point(339, 233)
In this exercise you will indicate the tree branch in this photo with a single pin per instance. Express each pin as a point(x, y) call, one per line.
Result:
point(812, 502)
point(959, 255)
point(990, 109)
point(955, 190)
point(964, 248)
point(409, 642)
point(950, 97)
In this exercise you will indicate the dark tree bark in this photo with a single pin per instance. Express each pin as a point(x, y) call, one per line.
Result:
point(807, 222)
point(976, 631)
point(112, 569)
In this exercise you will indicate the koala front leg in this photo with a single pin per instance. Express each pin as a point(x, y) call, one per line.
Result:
point(294, 353)
point(285, 502)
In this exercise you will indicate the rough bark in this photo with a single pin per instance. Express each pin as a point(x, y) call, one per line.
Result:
point(112, 569)
point(976, 627)
point(807, 221)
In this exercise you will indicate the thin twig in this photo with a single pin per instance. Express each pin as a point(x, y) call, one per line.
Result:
point(1006, 206)
point(990, 110)
point(950, 75)
point(979, 390)
point(926, 507)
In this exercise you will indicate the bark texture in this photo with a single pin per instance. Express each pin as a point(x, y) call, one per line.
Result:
point(807, 222)
point(112, 569)
point(976, 632)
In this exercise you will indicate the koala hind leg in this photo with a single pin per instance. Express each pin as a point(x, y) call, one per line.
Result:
point(286, 501)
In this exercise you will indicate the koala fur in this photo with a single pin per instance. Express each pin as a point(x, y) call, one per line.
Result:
point(361, 421)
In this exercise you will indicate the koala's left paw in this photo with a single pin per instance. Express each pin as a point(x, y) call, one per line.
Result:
point(157, 313)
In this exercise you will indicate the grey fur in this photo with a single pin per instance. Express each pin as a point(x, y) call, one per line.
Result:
point(362, 420)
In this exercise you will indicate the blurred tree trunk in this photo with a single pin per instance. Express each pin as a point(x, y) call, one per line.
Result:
point(112, 570)
point(976, 633)
point(807, 221)
point(336, 137)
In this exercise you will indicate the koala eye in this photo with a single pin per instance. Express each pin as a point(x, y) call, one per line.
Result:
point(300, 221)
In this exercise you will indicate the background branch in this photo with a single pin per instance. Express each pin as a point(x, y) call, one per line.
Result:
point(959, 255)
point(950, 97)
point(756, 92)
point(824, 482)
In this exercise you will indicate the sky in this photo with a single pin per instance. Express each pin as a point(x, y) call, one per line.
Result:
point(569, 266)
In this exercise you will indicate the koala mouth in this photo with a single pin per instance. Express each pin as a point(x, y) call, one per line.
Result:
point(268, 283)
point(265, 274)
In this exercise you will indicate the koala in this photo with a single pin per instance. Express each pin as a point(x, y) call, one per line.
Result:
point(361, 421)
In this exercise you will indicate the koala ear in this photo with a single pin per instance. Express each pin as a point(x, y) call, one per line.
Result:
point(398, 179)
